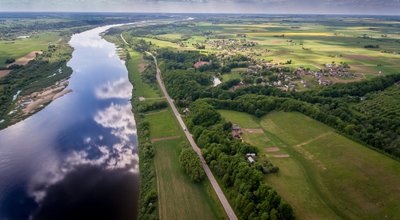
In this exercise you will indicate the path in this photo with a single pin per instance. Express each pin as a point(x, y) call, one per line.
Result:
point(313, 139)
point(228, 209)
point(164, 139)
point(123, 39)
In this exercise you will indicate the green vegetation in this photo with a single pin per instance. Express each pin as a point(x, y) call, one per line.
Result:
point(148, 193)
point(14, 49)
point(179, 197)
point(166, 191)
point(242, 181)
point(162, 124)
point(141, 89)
point(171, 177)
point(42, 72)
point(326, 173)
point(384, 104)
point(192, 164)
point(230, 76)
point(329, 69)
point(243, 119)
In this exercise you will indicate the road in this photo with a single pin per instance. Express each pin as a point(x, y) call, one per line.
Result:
point(228, 209)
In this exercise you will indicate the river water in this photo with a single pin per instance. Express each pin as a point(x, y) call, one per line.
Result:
point(77, 158)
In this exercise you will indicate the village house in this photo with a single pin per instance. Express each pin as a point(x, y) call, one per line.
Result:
point(324, 82)
point(201, 63)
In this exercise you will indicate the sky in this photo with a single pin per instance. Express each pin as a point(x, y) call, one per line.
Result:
point(380, 7)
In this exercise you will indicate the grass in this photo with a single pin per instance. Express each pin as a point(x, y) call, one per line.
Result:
point(243, 119)
point(179, 198)
point(161, 43)
point(229, 76)
point(141, 89)
point(20, 47)
point(163, 124)
point(327, 176)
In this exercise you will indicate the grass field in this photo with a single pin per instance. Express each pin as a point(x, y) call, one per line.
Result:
point(141, 89)
point(20, 47)
point(233, 75)
point(163, 124)
point(179, 198)
point(326, 176)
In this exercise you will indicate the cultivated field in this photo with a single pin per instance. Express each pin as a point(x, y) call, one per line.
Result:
point(324, 175)
point(370, 46)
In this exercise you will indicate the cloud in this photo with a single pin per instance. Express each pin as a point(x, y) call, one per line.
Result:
point(192, 6)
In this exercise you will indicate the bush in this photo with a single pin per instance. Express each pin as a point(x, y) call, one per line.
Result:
point(10, 60)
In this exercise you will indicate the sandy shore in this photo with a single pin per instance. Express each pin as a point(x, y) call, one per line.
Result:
point(31, 103)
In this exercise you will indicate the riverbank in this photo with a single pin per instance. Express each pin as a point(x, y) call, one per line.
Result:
point(39, 78)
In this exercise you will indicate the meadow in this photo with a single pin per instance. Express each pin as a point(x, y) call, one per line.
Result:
point(21, 47)
point(141, 89)
point(323, 175)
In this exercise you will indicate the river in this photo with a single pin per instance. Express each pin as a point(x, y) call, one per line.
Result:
point(77, 158)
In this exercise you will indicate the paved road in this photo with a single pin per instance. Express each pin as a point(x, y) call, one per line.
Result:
point(228, 209)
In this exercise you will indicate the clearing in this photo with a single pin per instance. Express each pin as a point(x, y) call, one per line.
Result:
point(324, 175)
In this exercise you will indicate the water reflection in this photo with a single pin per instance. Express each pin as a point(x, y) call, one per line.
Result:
point(77, 158)
point(120, 88)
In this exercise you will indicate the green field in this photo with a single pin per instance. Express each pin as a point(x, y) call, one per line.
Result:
point(190, 200)
point(20, 47)
point(324, 175)
point(163, 124)
point(229, 76)
point(141, 89)
point(179, 198)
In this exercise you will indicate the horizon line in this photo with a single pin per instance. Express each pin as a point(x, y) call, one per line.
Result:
point(195, 13)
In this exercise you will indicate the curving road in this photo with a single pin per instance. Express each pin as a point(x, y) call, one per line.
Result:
point(228, 209)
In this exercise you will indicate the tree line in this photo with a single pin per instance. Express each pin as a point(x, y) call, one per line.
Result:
point(243, 182)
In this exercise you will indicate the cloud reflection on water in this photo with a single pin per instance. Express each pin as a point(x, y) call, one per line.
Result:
point(120, 88)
